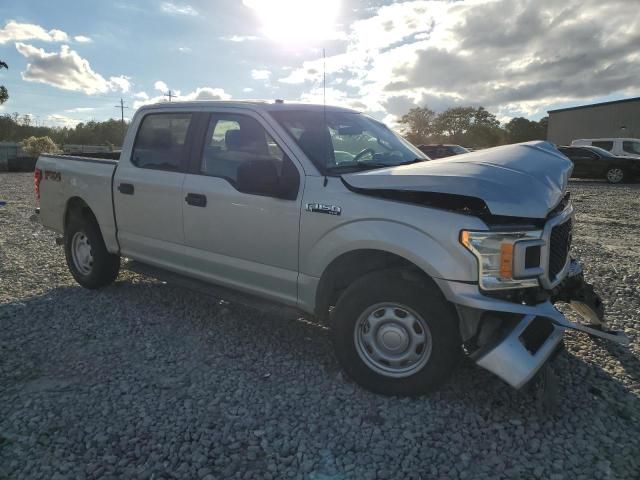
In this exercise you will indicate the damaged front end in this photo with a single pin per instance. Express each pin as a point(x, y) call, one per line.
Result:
point(508, 321)
point(515, 341)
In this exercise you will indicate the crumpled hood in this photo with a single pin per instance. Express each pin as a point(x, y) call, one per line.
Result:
point(522, 180)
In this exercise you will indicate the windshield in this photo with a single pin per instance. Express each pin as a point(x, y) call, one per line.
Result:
point(347, 141)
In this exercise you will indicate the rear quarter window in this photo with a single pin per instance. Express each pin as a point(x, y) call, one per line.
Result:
point(631, 147)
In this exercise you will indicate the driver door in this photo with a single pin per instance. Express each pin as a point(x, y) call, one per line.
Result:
point(241, 240)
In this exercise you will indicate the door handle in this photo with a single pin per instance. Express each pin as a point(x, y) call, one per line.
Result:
point(126, 189)
point(196, 199)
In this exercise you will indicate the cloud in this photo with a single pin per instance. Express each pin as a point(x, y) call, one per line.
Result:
point(200, 93)
point(121, 83)
point(82, 39)
point(260, 74)
point(178, 9)
point(519, 57)
point(62, 120)
point(247, 89)
point(239, 38)
point(15, 32)
point(66, 70)
point(184, 49)
point(206, 93)
point(80, 109)
point(160, 86)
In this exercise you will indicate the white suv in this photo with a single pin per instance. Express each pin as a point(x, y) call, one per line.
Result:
point(628, 147)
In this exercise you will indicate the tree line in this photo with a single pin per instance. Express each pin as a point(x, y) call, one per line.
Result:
point(16, 128)
point(468, 126)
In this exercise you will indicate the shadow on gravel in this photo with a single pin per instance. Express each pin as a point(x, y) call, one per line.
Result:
point(630, 363)
point(603, 183)
point(168, 338)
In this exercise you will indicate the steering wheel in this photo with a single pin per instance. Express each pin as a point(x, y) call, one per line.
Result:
point(362, 153)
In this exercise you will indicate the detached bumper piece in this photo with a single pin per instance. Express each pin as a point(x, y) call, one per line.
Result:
point(523, 350)
point(522, 343)
point(582, 298)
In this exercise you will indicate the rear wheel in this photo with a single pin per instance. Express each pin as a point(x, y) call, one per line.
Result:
point(88, 260)
point(395, 336)
point(615, 175)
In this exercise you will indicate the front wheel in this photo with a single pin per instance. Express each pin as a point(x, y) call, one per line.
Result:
point(615, 175)
point(395, 336)
point(88, 259)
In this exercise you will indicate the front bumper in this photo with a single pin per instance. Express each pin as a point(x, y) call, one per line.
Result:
point(510, 353)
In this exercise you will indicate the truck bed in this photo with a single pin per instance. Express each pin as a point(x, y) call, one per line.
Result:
point(68, 178)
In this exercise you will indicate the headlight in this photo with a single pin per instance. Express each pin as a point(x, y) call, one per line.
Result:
point(505, 259)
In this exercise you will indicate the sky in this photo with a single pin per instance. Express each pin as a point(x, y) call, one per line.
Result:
point(72, 61)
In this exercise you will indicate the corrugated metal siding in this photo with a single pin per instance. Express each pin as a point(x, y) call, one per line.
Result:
point(8, 151)
point(595, 122)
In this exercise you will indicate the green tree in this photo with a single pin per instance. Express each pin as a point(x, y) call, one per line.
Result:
point(34, 146)
point(520, 129)
point(453, 123)
point(544, 126)
point(469, 126)
point(419, 125)
point(4, 94)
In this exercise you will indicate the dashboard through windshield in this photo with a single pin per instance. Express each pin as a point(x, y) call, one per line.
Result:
point(339, 142)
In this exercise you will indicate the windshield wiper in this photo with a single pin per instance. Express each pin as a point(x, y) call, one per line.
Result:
point(370, 165)
point(415, 160)
point(359, 166)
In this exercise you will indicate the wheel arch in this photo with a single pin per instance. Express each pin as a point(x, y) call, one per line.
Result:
point(351, 265)
point(76, 206)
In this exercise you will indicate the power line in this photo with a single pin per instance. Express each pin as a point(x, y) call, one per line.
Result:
point(121, 107)
point(169, 94)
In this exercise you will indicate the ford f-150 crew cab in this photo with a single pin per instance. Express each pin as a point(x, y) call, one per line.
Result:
point(412, 263)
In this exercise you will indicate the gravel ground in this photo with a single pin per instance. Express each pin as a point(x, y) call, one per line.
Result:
point(147, 380)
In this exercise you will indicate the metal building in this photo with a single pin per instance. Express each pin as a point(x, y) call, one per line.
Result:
point(617, 119)
point(8, 151)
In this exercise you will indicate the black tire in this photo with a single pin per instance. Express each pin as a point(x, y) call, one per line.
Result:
point(615, 175)
point(422, 297)
point(104, 266)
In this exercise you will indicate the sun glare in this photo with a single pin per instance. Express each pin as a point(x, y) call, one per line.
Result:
point(297, 21)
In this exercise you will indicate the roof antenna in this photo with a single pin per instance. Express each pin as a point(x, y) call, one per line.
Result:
point(324, 106)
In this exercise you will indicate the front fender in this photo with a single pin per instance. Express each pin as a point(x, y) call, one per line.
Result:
point(440, 259)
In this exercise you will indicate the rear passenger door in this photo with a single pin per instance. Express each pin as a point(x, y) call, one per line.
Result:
point(242, 240)
point(147, 190)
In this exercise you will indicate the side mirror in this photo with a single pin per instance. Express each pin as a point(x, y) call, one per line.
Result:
point(259, 177)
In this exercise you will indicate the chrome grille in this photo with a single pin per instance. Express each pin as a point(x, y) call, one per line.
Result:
point(559, 245)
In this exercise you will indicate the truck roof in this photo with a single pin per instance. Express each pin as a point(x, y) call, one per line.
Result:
point(261, 105)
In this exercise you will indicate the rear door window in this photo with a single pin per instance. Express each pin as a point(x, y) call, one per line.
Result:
point(161, 143)
point(606, 145)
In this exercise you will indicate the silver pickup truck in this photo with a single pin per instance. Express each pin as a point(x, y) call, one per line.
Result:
point(411, 263)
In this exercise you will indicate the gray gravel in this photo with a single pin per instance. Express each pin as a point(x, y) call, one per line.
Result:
point(146, 380)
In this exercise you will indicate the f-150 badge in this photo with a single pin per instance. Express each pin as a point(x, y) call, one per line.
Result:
point(322, 208)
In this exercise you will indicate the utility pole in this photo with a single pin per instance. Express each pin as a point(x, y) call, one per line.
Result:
point(169, 94)
point(121, 107)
